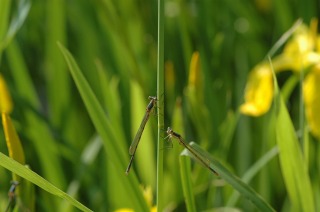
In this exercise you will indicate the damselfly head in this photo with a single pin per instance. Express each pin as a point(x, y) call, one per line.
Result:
point(14, 184)
point(152, 98)
point(169, 131)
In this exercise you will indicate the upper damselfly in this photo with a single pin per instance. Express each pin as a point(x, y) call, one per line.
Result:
point(135, 142)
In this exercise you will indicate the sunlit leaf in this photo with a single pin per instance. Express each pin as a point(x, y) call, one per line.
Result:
point(106, 131)
point(12, 139)
point(31, 176)
point(16, 23)
point(234, 181)
point(186, 181)
point(292, 162)
point(253, 171)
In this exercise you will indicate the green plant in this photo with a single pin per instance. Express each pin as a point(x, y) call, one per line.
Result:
point(75, 129)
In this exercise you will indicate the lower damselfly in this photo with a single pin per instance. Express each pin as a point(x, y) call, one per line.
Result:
point(11, 194)
point(196, 155)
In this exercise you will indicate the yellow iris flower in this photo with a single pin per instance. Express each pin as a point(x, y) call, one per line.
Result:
point(311, 88)
point(259, 91)
point(5, 98)
point(300, 53)
point(11, 136)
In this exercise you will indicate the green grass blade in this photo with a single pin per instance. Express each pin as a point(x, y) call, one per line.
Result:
point(36, 128)
point(16, 23)
point(227, 131)
point(5, 6)
point(284, 38)
point(234, 181)
point(253, 171)
point(106, 131)
point(88, 157)
point(33, 177)
point(58, 96)
point(185, 172)
point(4, 17)
point(292, 162)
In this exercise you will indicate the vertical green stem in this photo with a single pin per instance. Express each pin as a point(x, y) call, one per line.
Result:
point(188, 193)
point(4, 20)
point(160, 96)
point(58, 96)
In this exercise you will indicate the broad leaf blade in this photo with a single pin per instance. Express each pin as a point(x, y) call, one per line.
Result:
point(234, 181)
point(16, 23)
point(31, 176)
point(253, 171)
point(106, 130)
point(185, 172)
point(292, 163)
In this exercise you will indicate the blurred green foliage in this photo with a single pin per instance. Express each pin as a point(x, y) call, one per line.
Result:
point(115, 44)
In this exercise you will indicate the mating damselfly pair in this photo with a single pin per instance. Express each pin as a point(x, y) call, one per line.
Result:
point(171, 134)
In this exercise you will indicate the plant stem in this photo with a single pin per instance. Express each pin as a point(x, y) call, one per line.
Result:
point(160, 97)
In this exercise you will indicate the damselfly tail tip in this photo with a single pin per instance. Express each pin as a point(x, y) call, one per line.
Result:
point(128, 169)
point(214, 172)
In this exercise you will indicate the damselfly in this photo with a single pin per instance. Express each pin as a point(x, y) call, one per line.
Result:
point(197, 156)
point(11, 194)
point(135, 142)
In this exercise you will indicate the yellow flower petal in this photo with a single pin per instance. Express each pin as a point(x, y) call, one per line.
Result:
point(124, 210)
point(264, 5)
point(295, 63)
point(195, 84)
point(12, 139)
point(300, 43)
point(5, 98)
point(169, 77)
point(311, 88)
point(259, 91)
point(147, 193)
point(318, 44)
point(300, 52)
point(194, 71)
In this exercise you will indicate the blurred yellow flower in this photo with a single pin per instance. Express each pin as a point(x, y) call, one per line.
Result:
point(318, 44)
point(147, 193)
point(169, 75)
point(300, 53)
point(11, 136)
point(194, 70)
point(264, 5)
point(12, 139)
point(195, 81)
point(259, 91)
point(5, 98)
point(311, 88)
point(124, 210)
